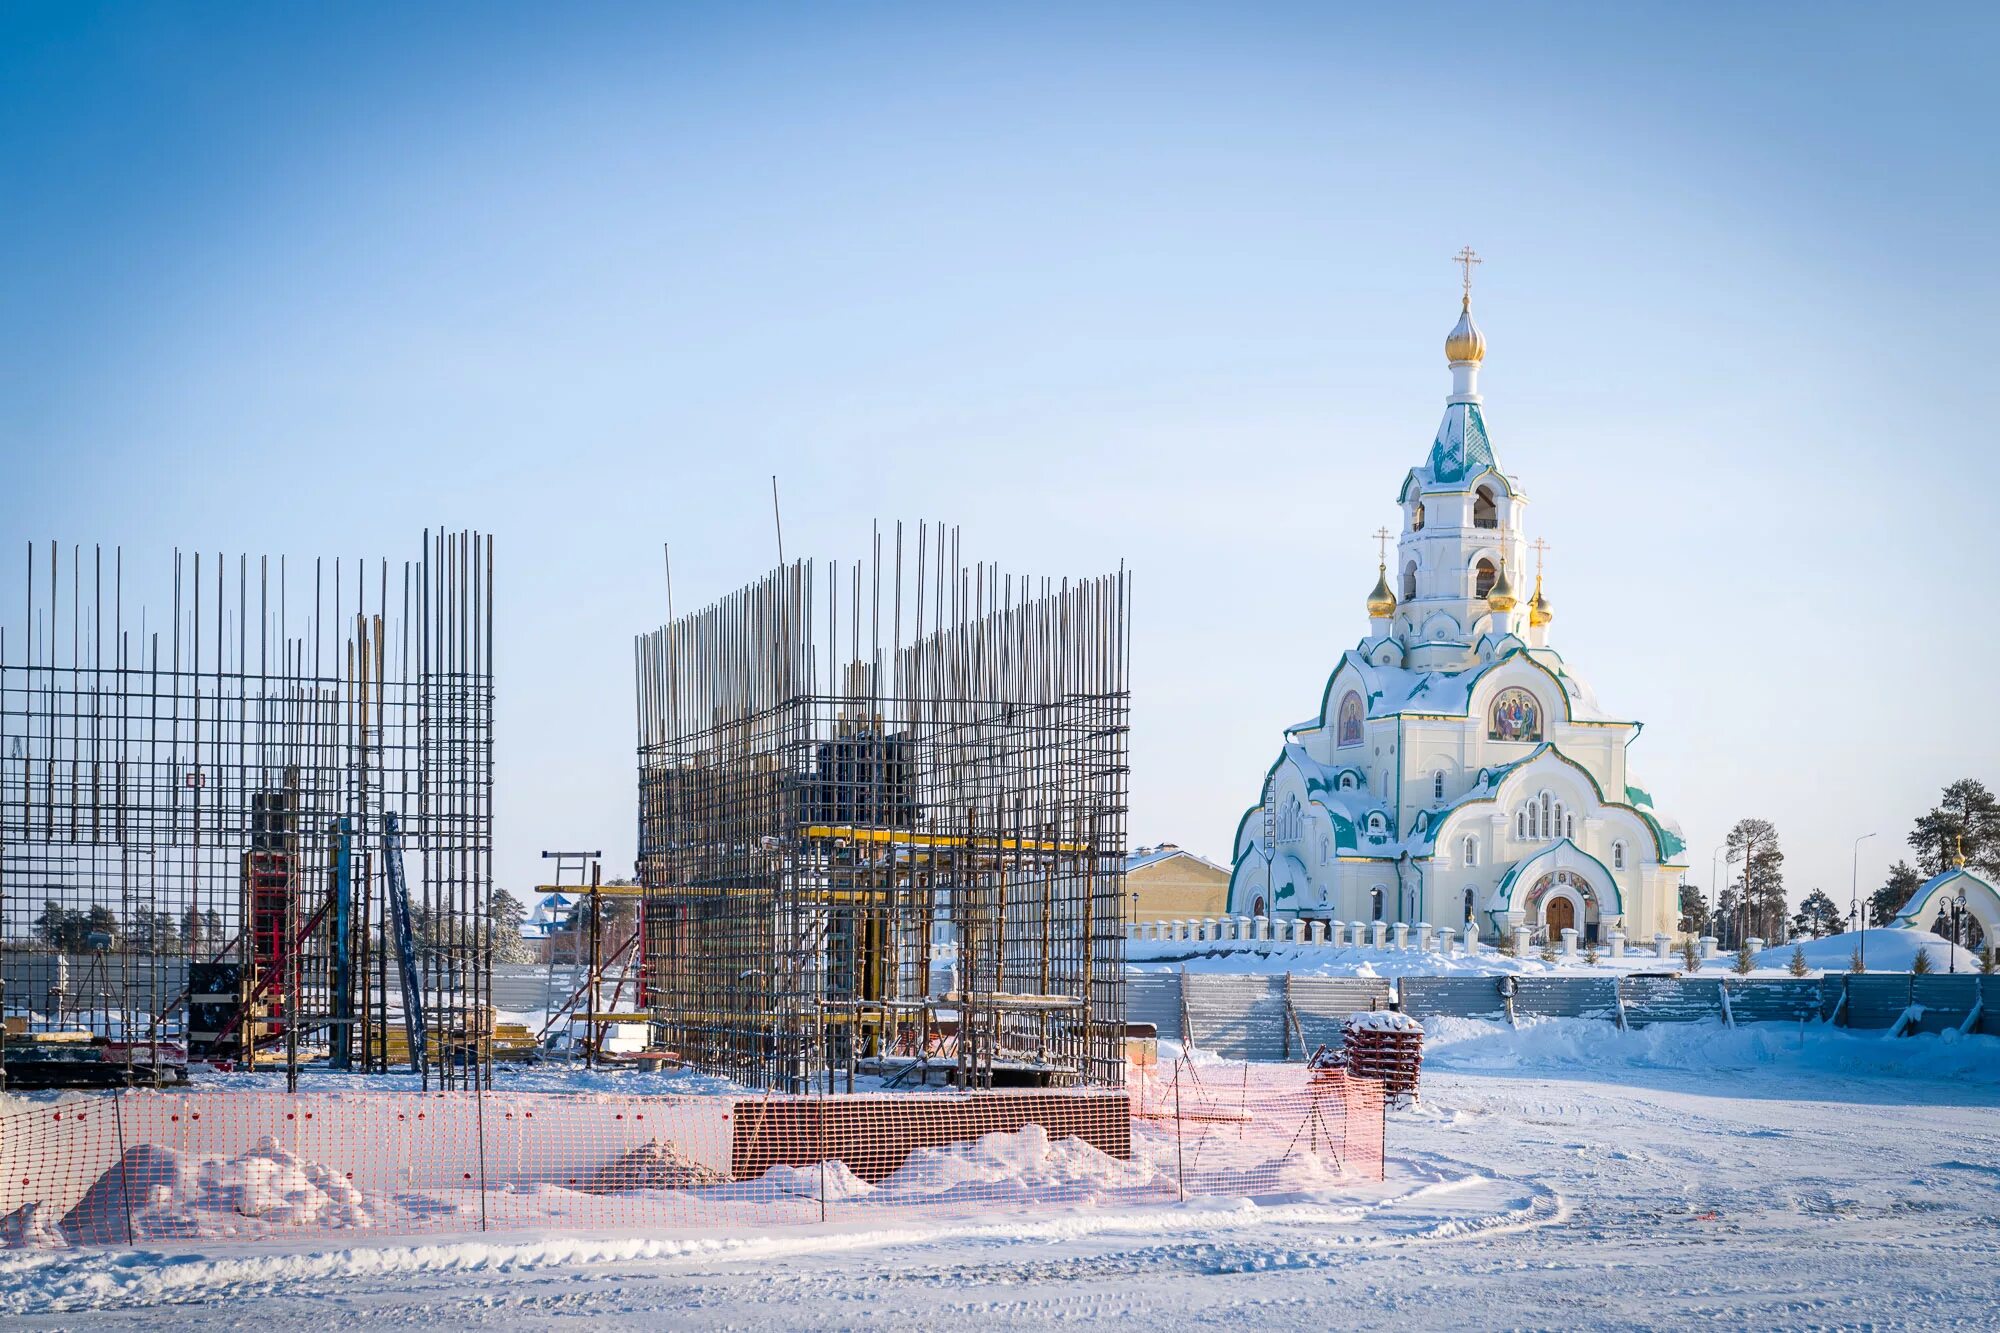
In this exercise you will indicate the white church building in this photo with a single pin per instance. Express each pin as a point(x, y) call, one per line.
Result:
point(1457, 770)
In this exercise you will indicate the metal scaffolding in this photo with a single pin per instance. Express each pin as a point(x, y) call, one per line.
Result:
point(259, 829)
point(862, 852)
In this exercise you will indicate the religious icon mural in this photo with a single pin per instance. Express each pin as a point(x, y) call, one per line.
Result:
point(1516, 716)
point(1350, 719)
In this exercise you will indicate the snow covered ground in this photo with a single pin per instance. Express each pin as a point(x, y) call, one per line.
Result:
point(1562, 1174)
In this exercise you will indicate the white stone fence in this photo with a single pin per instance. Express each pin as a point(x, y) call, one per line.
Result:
point(1249, 932)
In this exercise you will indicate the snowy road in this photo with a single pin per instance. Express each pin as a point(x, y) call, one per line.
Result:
point(1565, 1176)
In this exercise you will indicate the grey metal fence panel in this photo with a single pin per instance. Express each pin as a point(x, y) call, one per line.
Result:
point(1832, 987)
point(1322, 1005)
point(1650, 1000)
point(1155, 997)
point(1946, 1000)
point(1989, 1010)
point(1566, 997)
point(1770, 1000)
point(1876, 1000)
point(1238, 1017)
point(1453, 997)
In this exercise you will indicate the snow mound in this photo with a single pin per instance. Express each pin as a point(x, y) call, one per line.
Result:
point(1021, 1162)
point(652, 1166)
point(836, 1184)
point(1887, 949)
point(30, 1227)
point(260, 1191)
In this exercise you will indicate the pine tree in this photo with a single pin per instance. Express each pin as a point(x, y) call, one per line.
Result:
point(1854, 963)
point(1799, 967)
point(1694, 911)
point(1754, 842)
point(1817, 917)
point(1966, 814)
point(1922, 962)
point(1691, 954)
point(1548, 950)
point(1746, 962)
point(1885, 902)
point(1988, 961)
point(1590, 954)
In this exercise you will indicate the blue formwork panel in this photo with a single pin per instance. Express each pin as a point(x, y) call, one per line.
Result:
point(1566, 997)
point(1237, 1017)
point(1322, 1005)
point(1453, 997)
point(1946, 999)
point(1876, 999)
point(1650, 1000)
point(1770, 1000)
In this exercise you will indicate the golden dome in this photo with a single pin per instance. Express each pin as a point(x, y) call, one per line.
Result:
point(1465, 342)
point(1381, 602)
point(1540, 612)
point(1500, 597)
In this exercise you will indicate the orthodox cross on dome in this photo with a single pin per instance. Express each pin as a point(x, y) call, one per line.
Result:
point(1540, 548)
point(1465, 259)
point(1382, 544)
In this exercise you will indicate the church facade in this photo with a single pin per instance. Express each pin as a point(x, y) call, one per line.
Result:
point(1457, 771)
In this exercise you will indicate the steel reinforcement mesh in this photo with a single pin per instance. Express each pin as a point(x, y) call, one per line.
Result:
point(882, 829)
point(149, 1168)
point(214, 810)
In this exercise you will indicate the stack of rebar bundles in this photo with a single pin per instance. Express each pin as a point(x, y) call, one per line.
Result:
point(1388, 1047)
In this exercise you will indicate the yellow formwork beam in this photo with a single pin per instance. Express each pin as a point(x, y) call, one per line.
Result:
point(977, 842)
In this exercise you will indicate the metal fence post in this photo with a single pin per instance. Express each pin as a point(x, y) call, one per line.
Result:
point(124, 1167)
point(1180, 1162)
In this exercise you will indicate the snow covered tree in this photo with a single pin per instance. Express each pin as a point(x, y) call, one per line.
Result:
point(1746, 962)
point(1798, 964)
point(504, 915)
point(1694, 910)
point(1817, 916)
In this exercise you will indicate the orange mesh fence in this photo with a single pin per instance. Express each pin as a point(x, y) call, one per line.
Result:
point(145, 1168)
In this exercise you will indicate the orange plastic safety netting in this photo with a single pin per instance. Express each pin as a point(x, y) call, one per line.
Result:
point(147, 1168)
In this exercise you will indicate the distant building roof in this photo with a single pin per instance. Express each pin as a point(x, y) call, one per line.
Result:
point(1166, 851)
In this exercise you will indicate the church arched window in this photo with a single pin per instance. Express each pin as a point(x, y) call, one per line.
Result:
point(1323, 851)
point(1569, 827)
point(1468, 906)
point(1521, 825)
point(1417, 517)
point(1375, 903)
point(1472, 851)
point(1409, 580)
point(1546, 826)
point(1485, 513)
point(1437, 785)
point(1483, 575)
point(1617, 856)
point(1559, 821)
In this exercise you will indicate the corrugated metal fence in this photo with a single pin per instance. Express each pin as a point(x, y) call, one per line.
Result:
point(1282, 1017)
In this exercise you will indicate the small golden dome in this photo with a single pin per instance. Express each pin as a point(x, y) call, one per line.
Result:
point(1500, 597)
point(1465, 342)
point(1381, 602)
point(1540, 612)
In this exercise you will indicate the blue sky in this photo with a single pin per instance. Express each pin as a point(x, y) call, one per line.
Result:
point(1154, 283)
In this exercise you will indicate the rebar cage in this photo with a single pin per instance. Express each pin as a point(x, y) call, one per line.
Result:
point(259, 829)
point(861, 854)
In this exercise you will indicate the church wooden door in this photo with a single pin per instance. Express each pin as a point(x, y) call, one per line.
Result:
point(1561, 916)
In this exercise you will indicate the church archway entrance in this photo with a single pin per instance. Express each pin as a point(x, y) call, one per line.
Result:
point(1561, 917)
point(1564, 899)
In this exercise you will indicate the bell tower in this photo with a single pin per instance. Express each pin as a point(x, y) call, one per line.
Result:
point(1461, 537)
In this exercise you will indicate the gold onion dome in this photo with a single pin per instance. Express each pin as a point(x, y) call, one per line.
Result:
point(1465, 342)
point(1540, 611)
point(1500, 597)
point(1381, 602)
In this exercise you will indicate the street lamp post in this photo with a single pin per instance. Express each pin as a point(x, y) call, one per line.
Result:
point(1854, 899)
point(1957, 914)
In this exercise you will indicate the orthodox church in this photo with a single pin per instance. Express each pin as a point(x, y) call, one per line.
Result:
point(1458, 772)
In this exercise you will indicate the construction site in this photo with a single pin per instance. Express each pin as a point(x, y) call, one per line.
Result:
point(250, 824)
point(246, 823)
point(882, 824)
